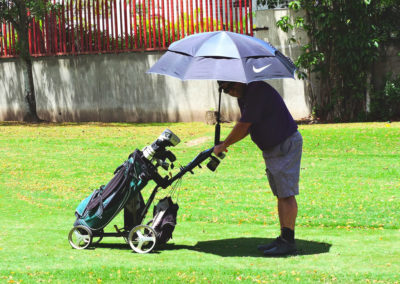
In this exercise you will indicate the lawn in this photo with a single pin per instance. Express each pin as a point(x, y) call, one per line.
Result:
point(348, 227)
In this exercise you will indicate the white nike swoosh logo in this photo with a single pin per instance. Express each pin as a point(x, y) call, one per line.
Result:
point(258, 70)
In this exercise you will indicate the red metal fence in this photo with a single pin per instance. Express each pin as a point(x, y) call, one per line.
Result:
point(102, 26)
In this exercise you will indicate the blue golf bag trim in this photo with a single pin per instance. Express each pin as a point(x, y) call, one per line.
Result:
point(101, 206)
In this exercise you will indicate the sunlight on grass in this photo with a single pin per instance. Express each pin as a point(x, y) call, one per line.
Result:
point(347, 228)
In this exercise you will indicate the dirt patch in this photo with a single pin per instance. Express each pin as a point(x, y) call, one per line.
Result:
point(197, 141)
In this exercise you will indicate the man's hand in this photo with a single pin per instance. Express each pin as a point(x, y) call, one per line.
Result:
point(239, 131)
point(220, 148)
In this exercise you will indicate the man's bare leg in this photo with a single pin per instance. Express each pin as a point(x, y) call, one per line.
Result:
point(287, 210)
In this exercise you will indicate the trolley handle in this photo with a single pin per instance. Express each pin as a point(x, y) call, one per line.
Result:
point(201, 157)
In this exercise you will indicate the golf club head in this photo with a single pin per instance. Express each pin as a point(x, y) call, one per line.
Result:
point(169, 137)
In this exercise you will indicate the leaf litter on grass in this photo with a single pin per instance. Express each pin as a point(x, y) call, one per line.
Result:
point(343, 199)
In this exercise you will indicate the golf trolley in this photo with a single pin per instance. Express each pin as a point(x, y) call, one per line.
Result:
point(123, 191)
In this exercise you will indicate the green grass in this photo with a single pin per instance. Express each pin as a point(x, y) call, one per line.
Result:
point(348, 227)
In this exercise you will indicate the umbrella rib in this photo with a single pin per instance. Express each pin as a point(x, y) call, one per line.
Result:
point(187, 69)
point(180, 52)
point(237, 50)
point(286, 62)
point(244, 72)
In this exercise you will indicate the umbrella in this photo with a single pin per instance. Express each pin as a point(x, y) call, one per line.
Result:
point(224, 56)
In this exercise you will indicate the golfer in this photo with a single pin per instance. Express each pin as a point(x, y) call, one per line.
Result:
point(266, 118)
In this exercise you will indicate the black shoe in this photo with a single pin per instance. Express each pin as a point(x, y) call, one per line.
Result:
point(269, 246)
point(281, 248)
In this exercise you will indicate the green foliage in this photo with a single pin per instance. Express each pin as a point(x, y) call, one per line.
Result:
point(385, 104)
point(20, 14)
point(10, 10)
point(346, 38)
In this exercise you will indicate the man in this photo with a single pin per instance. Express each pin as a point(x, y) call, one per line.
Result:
point(266, 118)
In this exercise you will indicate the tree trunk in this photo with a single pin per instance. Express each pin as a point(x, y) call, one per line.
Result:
point(31, 115)
point(29, 88)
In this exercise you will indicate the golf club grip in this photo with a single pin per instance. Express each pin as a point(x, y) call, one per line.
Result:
point(217, 134)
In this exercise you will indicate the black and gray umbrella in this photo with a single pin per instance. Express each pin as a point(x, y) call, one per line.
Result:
point(224, 56)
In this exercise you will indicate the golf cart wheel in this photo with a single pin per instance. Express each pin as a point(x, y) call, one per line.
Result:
point(80, 237)
point(142, 239)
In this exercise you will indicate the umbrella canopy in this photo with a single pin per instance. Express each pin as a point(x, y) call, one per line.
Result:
point(225, 56)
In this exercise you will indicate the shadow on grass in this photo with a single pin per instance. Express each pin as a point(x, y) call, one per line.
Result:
point(119, 246)
point(247, 247)
point(228, 247)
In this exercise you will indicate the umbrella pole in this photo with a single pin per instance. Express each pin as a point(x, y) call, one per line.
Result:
point(217, 126)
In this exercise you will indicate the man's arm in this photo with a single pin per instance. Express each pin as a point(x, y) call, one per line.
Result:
point(239, 131)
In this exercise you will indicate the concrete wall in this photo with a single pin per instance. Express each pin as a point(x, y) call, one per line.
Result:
point(108, 87)
point(12, 106)
point(115, 87)
point(293, 91)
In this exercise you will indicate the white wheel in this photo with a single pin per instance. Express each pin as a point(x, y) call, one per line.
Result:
point(142, 239)
point(80, 237)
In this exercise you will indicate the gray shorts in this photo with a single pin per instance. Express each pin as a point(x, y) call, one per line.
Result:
point(283, 166)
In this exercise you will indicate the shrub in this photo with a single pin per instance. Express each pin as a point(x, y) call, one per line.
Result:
point(385, 104)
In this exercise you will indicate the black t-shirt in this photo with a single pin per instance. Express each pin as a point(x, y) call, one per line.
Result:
point(271, 121)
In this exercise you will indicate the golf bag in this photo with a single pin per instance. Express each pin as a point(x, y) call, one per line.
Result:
point(164, 219)
point(100, 207)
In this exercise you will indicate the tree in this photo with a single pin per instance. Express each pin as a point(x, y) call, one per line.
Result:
point(20, 13)
point(346, 37)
